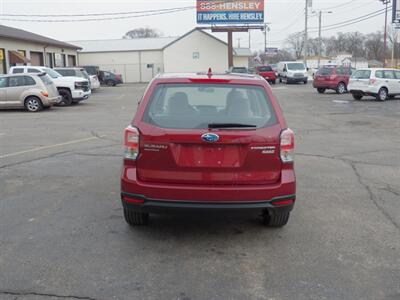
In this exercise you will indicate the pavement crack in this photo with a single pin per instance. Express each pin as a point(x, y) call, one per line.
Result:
point(103, 137)
point(32, 160)
point(362, 183)
point(19, 294)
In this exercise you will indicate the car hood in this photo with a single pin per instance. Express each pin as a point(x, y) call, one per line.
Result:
point(68, 79)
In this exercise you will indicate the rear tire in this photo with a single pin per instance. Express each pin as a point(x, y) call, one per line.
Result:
point(357, 96)
point(341, 88)
point(66, 97)
point(33, 104)
point(305, 81)
point(276, 219)
point(135, 218)
point(321, 90)
point(383, 94)
point(280, 80)
point(110, 83)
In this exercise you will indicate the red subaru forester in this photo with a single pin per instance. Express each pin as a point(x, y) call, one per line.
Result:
point(208, 142)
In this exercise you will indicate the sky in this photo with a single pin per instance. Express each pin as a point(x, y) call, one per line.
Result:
point(285, 17)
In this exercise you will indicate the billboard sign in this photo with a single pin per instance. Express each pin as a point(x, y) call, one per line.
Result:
point(230, 12)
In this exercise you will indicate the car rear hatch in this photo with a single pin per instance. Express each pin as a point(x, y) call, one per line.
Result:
point(324, 75)
point(360, 80)
point(49, 84)
point(209, 134)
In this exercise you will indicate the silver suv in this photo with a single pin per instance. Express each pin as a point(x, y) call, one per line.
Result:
point(32, 91)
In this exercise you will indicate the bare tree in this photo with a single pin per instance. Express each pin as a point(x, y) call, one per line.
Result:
point(374, 46)
point(354, 43)
point(295, 42)
point(142, 32)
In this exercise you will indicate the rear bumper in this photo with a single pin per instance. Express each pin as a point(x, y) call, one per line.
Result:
point(144, 195)
point(51, 101)
point(143, 204)
point(364, 93)
point(324, 85)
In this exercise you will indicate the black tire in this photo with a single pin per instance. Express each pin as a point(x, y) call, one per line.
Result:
point(135, 218)
point(110, 83)
point(305, 81)
point(321, 90)
point(66, 97)
point(391, 97)
point(357, 96)
point(341, 88)
point(33, 104)
point(382, 95)
point(273, 82)
point(280, 80)
point(276, 219)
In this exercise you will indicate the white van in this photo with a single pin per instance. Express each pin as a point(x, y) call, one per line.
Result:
point(292, 72)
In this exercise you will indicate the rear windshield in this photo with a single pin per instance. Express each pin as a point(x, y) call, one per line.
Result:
point(195, 106)
point(264, 69)
point(361, 74)
point(239, 70)
point(325, 71)
point(46, 79)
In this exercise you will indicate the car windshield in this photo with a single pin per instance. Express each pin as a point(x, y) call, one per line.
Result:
point(325, 71)
point(296, 66)
point(82, 73)
point(361, 74)
point(265, 69)
point(191, 106)
point(52, 73)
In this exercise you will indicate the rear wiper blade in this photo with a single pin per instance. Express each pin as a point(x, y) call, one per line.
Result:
point(230, 125)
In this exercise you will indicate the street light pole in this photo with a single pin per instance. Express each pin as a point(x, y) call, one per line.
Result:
point(320, 35)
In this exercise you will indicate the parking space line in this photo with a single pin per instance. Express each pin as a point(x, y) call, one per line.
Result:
point(51, 146)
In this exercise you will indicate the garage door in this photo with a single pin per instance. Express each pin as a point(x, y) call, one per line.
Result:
point(36, 58)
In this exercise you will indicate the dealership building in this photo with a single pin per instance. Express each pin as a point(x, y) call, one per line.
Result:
point(138, 60)
point(20, 47)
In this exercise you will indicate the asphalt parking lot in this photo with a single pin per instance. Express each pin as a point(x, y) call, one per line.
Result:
point(62, 234)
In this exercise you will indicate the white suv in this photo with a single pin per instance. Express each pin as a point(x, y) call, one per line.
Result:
point(378, 82)
point(71, 89)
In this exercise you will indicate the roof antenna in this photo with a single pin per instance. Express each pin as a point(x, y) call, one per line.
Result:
point(209, 73)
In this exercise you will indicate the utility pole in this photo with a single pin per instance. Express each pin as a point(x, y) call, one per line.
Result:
point(249, 39)
point(306, 34)
point(385, 2)
point(266, 28)
point(319, 37)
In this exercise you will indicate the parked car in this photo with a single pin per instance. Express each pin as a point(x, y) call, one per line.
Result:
point(332, 78)
point(94, 82)
point(71, 89)
point(208, 142)
point(238, 70)
point(292, 72)
point(378, 82)
point(267, 73)
point(32, 91)
point(109, 78)
point(92, 70)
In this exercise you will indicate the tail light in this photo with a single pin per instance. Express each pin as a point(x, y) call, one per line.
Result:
point(287, 146)
point(46, 94)
point(372, 81)
point(131, 143)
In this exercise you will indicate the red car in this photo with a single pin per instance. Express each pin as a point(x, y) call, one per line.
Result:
point(205, 142)
point(267, 73)
point(332, 78)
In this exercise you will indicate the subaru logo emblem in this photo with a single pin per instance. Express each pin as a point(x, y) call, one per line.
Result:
point(210, 137)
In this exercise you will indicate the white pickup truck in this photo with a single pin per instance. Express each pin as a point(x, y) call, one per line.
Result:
point(71, 89)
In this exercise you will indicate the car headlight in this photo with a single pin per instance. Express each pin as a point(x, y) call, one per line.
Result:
point(79, 85)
